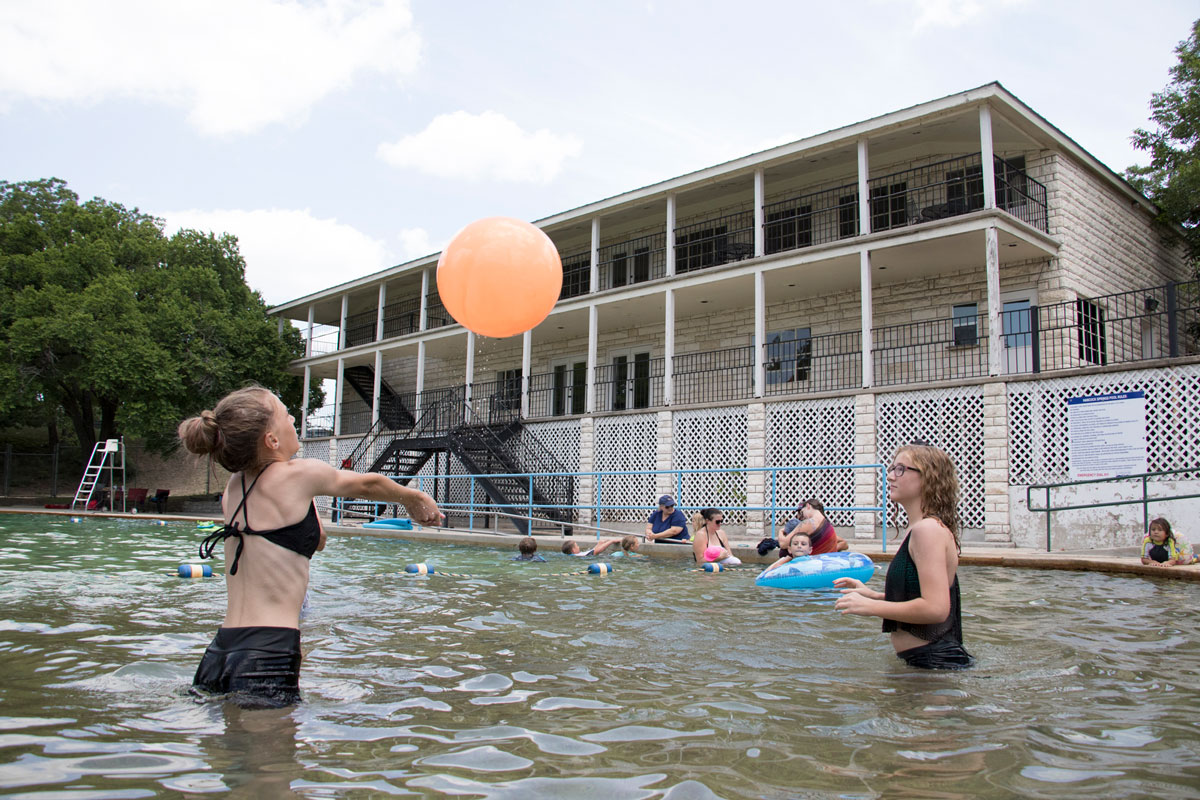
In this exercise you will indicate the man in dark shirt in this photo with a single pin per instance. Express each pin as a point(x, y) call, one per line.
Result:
point(667, 524)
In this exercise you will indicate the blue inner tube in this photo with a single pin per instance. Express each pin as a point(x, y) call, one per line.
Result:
point(391, 524)
point(818, 572)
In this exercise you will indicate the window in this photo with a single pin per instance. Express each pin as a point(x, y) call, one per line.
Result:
point(889, 206)
point(641, 264)
point(631, 381)
point(789, 229)
point(789, 355)
point(699, 249)
point(1092, 340)
point(1012, 184)
point(966, 324)
point(964, 190)
point(619, 270)
point(508, 390)
point(577, 277)
point(848, 216)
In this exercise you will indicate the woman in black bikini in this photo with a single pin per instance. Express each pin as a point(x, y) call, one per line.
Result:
point(269, 540)
point(920, 598)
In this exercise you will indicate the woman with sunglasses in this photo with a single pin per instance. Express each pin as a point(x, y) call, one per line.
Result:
point(708, 533)
point(919, 603)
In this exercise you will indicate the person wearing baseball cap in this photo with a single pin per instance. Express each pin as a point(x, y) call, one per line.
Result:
point(667, 524)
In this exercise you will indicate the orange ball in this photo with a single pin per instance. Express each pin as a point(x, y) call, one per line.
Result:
point(499, 276)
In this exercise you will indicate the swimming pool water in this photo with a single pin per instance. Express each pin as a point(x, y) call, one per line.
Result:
point(652, 682)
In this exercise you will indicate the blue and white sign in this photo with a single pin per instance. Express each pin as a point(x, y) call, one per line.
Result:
point(1107, 435)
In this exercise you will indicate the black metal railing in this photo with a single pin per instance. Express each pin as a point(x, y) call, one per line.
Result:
point(930, 351)
point(713, 376)
point(402, 317)
point(822, 363)
point(360, 328)
point(629, 383)
point(436, 315)
point(633, 261)
point(356, 417)
point(577, 275)
point(494, 402)
point(557, 393)
point(715, 241)
point(809, 219)
point(1021, 195)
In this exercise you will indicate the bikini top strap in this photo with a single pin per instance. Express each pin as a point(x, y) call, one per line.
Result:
point(231, 528)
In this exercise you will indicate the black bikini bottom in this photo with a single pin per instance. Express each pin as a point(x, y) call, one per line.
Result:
point(257, 667)
point(945, 653)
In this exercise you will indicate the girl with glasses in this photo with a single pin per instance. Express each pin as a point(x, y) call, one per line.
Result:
point(919, 603)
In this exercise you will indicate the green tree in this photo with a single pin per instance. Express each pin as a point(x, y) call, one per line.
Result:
point(122, 329)
point(1172, 180)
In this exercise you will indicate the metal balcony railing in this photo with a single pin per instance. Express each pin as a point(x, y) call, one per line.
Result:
point(633, 261)
point(712, 242)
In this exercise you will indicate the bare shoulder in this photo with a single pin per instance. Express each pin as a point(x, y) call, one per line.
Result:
point(309, 471)
point(930, 534)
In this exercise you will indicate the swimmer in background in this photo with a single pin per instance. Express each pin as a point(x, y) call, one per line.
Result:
point(570, 548)
point(800, 547)
point(708, 534)
point(1163, 548)
point(269, 541)
point(920, 603)
point(528, 550)
point(629, 546)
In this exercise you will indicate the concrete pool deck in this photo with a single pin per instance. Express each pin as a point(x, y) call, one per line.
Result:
point(1116, 561)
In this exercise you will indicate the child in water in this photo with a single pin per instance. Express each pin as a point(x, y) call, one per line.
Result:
point(570, 548)
point(1160, 546)
point(528, 550)
point(800, 547)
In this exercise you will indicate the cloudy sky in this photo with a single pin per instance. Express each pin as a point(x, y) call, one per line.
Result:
point(336, 138)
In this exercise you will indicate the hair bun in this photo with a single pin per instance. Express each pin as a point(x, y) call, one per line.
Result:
point(201, 434)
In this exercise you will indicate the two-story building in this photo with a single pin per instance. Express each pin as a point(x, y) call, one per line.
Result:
point(950, 271)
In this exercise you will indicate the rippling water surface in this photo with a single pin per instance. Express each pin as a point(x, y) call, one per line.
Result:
point(653, 682)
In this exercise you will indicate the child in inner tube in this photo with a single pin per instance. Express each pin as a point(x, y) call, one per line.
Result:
point(800, 547)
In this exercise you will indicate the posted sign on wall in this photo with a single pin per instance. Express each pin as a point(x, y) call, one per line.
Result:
point(1107, 435)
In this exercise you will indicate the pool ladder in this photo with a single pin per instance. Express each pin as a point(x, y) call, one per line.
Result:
point(95, 468)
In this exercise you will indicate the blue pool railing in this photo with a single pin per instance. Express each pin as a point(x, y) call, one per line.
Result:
point(474, 506)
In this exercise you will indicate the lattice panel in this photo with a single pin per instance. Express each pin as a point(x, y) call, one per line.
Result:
point(951, 419)
point(562, 439)
point(812, 433)
point(712, 438)
point(1039, 450)
point(627, 443)
point(346, 447)
point(315, 449)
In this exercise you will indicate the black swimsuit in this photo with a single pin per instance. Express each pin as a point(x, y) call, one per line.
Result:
point(302, 537)
point(945, 649)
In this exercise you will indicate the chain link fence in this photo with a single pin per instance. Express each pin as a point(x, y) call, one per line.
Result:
point(54, 472)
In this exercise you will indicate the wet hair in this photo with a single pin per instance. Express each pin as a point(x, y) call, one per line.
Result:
point(1161, 522)
point(797, 536)
point(231, 432)
point(815, 504)
point(629, 542)
point(527, 546)
point(939, 485)
point(568, 548)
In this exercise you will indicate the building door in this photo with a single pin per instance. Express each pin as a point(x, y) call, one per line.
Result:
point(1016, 331)
point(570, 387)
point(631, 380)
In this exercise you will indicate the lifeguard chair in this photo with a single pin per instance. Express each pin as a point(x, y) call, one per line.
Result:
point(107, 455)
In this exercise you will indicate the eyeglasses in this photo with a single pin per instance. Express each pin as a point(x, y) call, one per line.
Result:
point(898, 470)
point(718, 521)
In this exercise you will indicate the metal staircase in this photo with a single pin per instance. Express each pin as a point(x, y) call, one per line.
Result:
point(392, 411)
point(497, 449)
point(104, 455)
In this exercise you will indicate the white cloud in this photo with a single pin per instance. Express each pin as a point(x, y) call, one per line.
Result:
point(290, 253)
point(486, 146)
point(234, 65)
point(415, 242)
point(954, 13)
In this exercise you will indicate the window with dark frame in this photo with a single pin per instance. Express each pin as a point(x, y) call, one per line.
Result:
point(789, 356)
point(573, 377)
point(577, 277)
point(966, 324)
point(1093, 341)
point(699, 249)
point(964, 190)
point(1012, 184)
point(848, 216)
point(889, 206)
point(789, 229)
point(508, 389)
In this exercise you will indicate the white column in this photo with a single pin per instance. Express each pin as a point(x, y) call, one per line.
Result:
point(995, 327)
point(594, 277)
point(420, 375)
point(470, 375)
point(668, 347)
point(526, 361)
point(593, 334)
point(760, 332)
point(756, 482)
point(342, 325)
point(337, 397)
point(760, 231)
point(424, 319)
point(866, 481)
point(864, 190)
point(280, 327)
point(379, 316)
point(378, 387)
point(868, 317)
point(304, 402)
point(986, 155)
point(312, 310)
point(670, 234)
point(996, 527)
